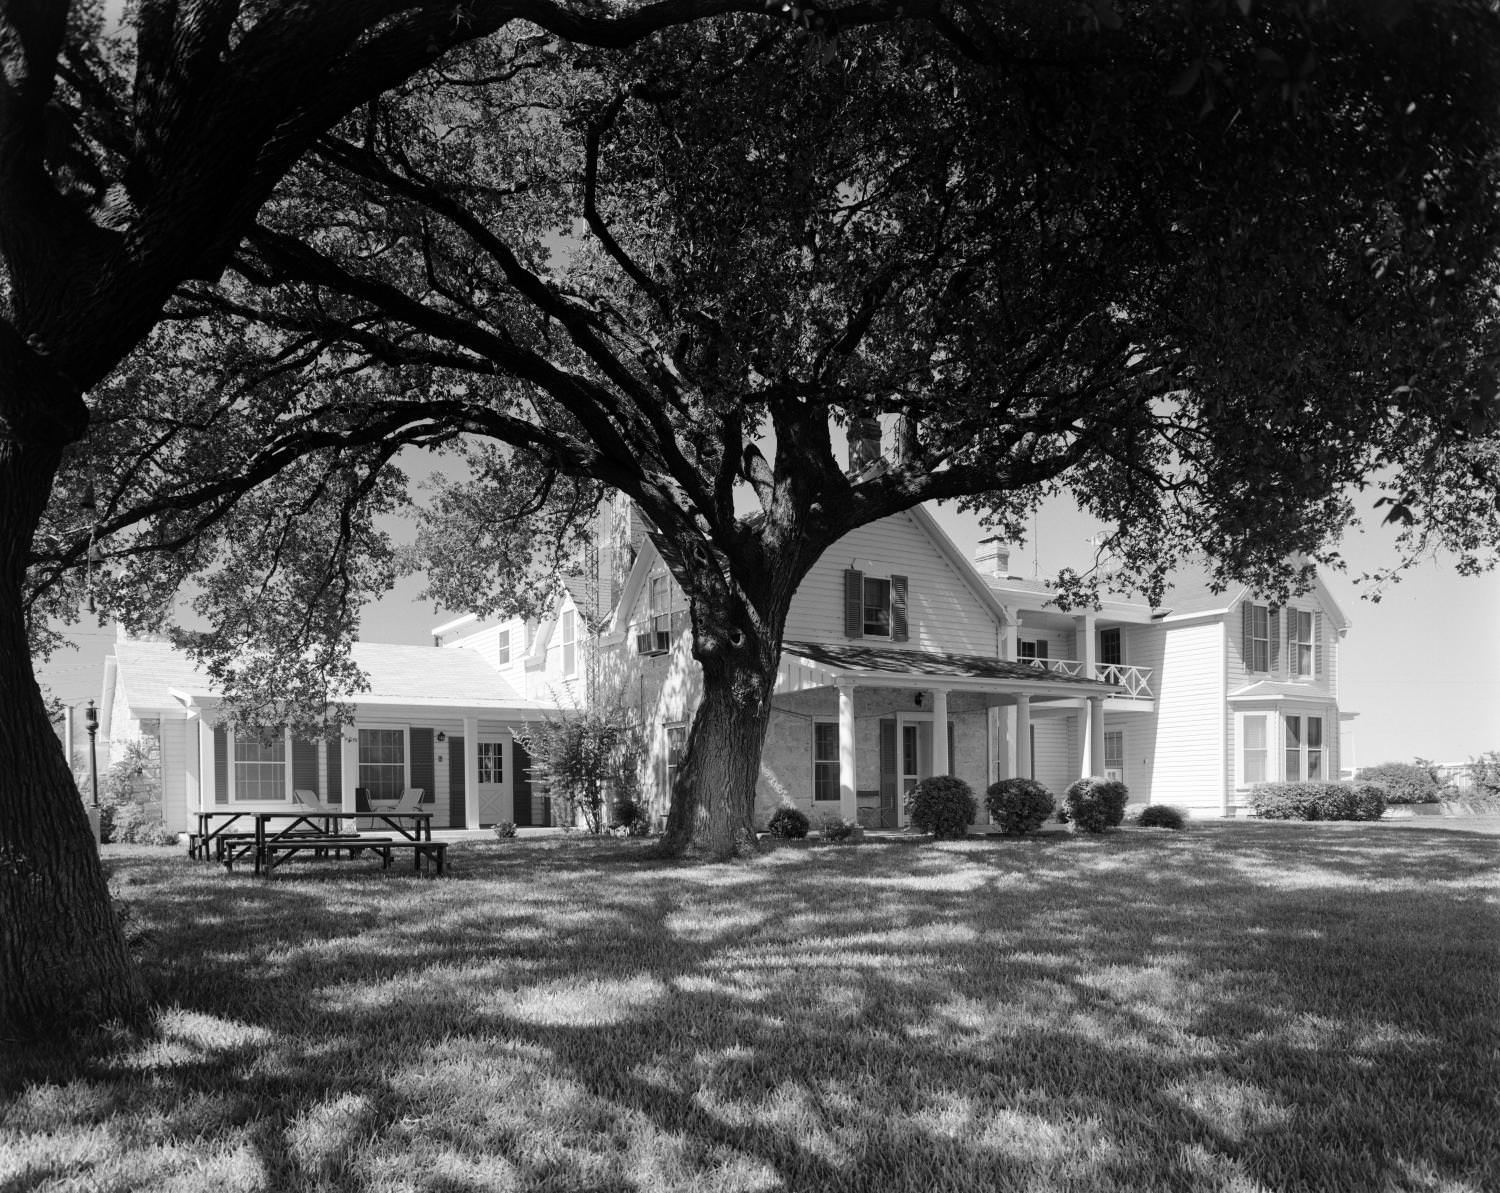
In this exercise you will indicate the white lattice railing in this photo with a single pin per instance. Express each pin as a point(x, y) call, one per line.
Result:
point(1135, 680)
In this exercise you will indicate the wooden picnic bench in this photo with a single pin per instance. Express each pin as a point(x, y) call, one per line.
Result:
point(281, 835)
point(434, 853)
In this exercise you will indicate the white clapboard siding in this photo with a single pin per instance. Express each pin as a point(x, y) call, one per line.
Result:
point(943, 612)
point(174, 737)
point(1187, 724)
point(1055, 760)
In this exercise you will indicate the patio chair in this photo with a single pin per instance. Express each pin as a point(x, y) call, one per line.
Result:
point(310, 800)
point(410, 801)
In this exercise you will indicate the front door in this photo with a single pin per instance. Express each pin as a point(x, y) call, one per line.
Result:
point(521, 783)
point(492, 792)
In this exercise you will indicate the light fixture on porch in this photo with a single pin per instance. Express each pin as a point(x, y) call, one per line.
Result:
point(919, 699)
point(442, 736)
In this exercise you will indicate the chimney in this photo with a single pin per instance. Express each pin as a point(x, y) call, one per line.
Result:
point(864, 443)
point(992, 558)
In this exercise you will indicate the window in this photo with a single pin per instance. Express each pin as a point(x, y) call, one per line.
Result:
point(1304, 749)
point(502, 648)
point(569, 642)
point(877, 622)
point(1114, 753)
point(491, 762)
point(661, 597)
point(1032, 650)
point(825, 760)
point(382, 762)
point(1253, 748)
point(1111, 649)
point(676, 746)
point(259, 767)
point(1300, 645)
point(1257, 638)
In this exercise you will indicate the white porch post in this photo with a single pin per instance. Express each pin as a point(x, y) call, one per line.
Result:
point(348, 766)
point(1096, 735)
point(1088, 645)
point(471, 772)
point(1023, 737)
point(848, 796)
point(940, 761)
point(207, 775)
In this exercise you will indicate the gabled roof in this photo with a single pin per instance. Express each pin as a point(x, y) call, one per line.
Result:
point(158, 677)
point(1191, 595)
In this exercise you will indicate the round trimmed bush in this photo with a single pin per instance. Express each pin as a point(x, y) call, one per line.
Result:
point(1095, 804)
point(1019, 805)
point(942, 805)
point(788, 823)
point(1404, 782)
point(835, 828)
point(1162, 816)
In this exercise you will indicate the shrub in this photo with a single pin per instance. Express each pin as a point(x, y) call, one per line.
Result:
point(1404, 782)
point(1162, 816)
point(1485, 772)
point(1019, 805)
point(787, 823)
point(835, 828)
point(942, 805)
point(505, 829)
point(631, 818)
point(1318, 801)
point(1095, 804)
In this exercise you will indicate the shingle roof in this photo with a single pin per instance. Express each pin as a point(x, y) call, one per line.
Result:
point(890, 661)
point(397, 674)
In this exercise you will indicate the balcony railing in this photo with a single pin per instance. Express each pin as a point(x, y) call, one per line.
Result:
point(1135, 680)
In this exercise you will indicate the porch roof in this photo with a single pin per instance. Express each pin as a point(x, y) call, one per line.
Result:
point(919, 668)
point(1270, 689)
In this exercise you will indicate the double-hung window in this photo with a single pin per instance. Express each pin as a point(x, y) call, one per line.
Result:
point(259, 767)
point(1304, 749)
point(1300, 647)
point(1254, 747)
point(1114, 753)
point(502, 648)
point(676, 747)
point(825, 761)
point(569, 636)
point(877, 621)
point(1033, 650)
point(875, 606)
point(1111, 647)
point(382, 762)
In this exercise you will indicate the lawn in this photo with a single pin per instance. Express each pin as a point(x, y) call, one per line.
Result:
point(1236, 1007)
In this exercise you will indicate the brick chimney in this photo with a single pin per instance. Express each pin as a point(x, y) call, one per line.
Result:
point(864, 443)
point(992, 558)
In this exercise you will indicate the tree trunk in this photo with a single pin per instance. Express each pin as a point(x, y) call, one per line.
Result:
point(62, 956)
point(712, 813)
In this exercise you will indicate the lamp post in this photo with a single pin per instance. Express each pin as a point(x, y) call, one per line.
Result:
point(91, 719)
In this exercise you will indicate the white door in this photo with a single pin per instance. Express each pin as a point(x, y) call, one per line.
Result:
point(494, 802)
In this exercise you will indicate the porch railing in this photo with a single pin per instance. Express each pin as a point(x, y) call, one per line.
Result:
point(1135, 680)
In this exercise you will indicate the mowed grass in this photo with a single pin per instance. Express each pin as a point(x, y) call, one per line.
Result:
point(1236, 1007)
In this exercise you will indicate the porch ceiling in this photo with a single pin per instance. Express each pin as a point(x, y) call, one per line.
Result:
point(889, 667)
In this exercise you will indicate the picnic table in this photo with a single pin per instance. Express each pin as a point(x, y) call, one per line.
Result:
point(278, 835)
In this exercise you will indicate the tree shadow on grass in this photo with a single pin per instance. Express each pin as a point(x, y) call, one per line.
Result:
point(1136, 1011)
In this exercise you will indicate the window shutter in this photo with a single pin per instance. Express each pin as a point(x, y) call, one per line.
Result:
point(305, 766)
point(334, 750)
point(423, 773)
point(457, 804)
point(221, 765)
point(898, 609)
point(1247, 628)
point(1317, 619)
point(1273, 635)
point(854, 603)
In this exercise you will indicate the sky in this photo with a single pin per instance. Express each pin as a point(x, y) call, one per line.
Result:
point(1421, 666)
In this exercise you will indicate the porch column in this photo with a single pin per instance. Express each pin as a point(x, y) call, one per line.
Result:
point(471, 772)
point(348, 765)
point(1096, 735)
point(940, 762)
point(192, 760)
point(1023, 737)
point(848, 796)
point(1088, 644)
point(206, 776)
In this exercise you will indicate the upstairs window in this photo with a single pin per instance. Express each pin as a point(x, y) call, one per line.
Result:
point(1035, 649)
point(1259, 625)
point(875, 606)
point(1301, 642)
point(569, 634)
point(502, 648)
point(1111, 647)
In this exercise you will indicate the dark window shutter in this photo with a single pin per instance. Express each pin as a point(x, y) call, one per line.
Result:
point(898, 609)
point(1247, 630)
point(1273, 633)
point(1317, 619)
point(335, 752)
point(422, 772)
point(854, 603)
point(457, 815)
point(221, 765)
point(1041, 648)
point(305, 766)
